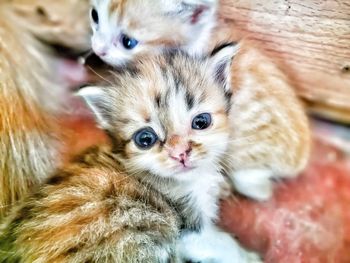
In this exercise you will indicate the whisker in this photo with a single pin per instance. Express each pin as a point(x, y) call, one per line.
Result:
point(247, 142)
point(99, 75)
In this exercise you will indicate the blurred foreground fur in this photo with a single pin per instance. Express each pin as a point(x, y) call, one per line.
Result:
point(91, 211)
point(30, 94)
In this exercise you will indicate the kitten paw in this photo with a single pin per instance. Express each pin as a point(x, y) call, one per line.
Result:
point(212, 245)
point(253, 257)
point(254, 183)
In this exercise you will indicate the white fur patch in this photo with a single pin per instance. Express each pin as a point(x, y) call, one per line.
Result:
point(215, 246)
point(254, 183)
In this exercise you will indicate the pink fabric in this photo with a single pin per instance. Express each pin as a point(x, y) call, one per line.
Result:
point(308, 219)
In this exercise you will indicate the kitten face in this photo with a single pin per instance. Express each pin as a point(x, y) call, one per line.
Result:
point(123, 29)
point(169, 114)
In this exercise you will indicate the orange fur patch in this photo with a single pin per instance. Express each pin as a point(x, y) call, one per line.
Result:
point(174, 140)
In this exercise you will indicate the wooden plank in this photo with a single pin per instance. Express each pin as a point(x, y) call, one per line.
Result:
point(310, 40)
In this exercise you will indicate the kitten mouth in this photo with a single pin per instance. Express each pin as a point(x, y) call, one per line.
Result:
point(185, 167)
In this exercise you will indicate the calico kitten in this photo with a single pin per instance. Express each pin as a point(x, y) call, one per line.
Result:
point(30, 92)
point(156, 192)
point(270, 134)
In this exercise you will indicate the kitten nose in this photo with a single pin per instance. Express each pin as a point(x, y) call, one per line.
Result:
point(101, 53)
point(181, 154)
point(100, 49)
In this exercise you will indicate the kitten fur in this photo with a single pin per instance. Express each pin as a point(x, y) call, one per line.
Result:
point(270, 133)
point(132, 204)
point(91, 211)
point(55, 22)
point(163, 23)
point(29, 99)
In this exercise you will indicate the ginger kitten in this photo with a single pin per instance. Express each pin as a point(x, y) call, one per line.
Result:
point(129, 28)
point(31, 93)
point(153, 196)
point(270, 134)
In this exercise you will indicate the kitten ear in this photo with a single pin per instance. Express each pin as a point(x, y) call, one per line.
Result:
point(197, 10)
point(220, 63)
point(97, 100)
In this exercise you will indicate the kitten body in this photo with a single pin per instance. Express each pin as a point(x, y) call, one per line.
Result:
point(92, 211)
point(270, 134)
point(157, 191)
point(30, 93)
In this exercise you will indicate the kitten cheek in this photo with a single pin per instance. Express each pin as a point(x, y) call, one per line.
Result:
point(162, 158)
point(131, 150)
point(220, 127)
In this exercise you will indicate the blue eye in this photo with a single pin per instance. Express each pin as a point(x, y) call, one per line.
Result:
point(145, 138)
point(128, 42)
point(201, 121)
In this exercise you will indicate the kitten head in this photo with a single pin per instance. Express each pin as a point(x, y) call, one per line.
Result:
point(168, 114)
point(63, 22)
point(123, 29)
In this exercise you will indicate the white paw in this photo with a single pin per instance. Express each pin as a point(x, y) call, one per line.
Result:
point(212, 245)
point(254, 183)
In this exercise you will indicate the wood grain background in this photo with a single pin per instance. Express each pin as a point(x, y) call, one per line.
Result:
point(310, 39)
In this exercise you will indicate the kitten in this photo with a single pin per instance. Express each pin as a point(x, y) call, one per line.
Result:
point(270, 134)
point(128, 28)
point(157, 191)
point(30, 97)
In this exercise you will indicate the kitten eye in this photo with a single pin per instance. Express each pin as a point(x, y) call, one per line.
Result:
point(145, 138)
point(94, 15)
point(201, 121)
point(128, 42)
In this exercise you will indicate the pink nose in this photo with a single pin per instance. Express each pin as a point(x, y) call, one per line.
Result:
point(181, 155)
point(99, 49)
point(101, 54)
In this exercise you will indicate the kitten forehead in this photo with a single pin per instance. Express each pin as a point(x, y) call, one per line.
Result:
point(165, 90)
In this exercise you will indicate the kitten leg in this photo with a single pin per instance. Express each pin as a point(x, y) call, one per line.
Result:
point(212, 245)
point(254, 183)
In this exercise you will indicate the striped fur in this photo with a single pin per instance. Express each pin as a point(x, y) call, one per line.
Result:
point(270, 134)
point(91, 211)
